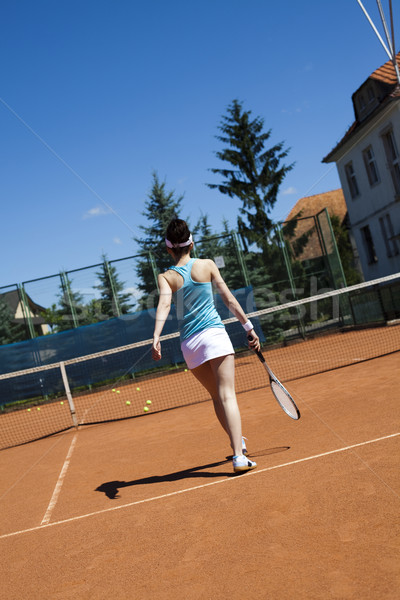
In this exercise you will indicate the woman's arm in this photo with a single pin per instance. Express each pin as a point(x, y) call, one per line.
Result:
point(231, 303)
point(163, 308)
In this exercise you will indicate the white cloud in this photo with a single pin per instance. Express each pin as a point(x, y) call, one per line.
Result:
point(289, 191)
point(97, 211)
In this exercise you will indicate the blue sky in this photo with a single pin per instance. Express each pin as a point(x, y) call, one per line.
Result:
point(95, 95)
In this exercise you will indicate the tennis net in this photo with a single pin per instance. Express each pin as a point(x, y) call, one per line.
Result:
point(300, 338)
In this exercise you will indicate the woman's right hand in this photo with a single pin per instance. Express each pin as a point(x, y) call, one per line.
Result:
point(254, 341)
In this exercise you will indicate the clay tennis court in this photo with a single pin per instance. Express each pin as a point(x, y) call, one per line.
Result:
point(150, 508)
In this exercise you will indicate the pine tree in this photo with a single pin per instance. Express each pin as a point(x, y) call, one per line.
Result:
point(113, 301)
point(346, 252)
point(160, 208)
point(257, 172)
point(70, 303)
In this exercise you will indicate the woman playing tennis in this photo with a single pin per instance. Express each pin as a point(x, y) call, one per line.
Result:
point(206, 346)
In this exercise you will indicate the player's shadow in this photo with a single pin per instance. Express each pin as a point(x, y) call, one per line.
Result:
point(111, 488)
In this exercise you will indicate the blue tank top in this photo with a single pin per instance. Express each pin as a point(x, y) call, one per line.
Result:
point(194, 302)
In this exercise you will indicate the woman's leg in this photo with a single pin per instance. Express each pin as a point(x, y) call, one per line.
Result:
point(205, 376)
point(218, 377)
point(223, 369)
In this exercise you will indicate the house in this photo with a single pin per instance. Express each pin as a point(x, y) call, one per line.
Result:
point(305, 211)
point(313, 240)
point(368, 163)
point(22, 312)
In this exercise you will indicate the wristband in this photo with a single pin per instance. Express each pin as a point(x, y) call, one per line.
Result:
point(248, 326)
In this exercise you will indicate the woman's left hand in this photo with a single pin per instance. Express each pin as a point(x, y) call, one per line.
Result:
point(156, 349)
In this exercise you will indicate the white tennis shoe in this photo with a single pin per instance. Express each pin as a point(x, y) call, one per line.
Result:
point(242, 463)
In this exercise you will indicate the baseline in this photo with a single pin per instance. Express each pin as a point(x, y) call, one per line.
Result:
point(226, 480)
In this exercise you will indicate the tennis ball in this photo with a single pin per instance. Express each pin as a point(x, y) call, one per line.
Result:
point(113, 390)
point(185, 370)
point(146, 408)
point(128, 403)
point(61, 402)
point(118, 392)
point(148, 401)
point(28, 409)
point(38, 408)
point(138, 389)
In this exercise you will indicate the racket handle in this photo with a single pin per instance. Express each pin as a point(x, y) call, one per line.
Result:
point(258, 352)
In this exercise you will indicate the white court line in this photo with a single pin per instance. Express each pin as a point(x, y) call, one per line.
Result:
point(60, 481)
point(198, 487)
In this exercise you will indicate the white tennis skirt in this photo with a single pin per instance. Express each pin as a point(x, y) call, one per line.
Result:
point(205, 345)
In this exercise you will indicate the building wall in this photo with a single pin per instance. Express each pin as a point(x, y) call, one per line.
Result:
point(376, 201)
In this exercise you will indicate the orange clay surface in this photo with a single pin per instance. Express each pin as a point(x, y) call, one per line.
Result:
point(149, 507)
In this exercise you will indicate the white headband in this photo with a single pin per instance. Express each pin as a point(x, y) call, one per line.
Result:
point(171, 245)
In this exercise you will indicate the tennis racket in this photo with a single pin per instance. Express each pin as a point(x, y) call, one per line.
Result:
point(281, 394)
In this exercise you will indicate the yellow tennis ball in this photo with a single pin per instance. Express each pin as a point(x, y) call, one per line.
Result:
point(28, 409)
point(113, 390)
point(128, 402)
point(61, 402)
point(38, 408)
point(146, 408)
point(185, 370)
point(118, 392)
point(138, 389)
point(148, 401)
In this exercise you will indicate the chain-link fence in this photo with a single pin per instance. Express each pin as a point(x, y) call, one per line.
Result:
point(297, 259)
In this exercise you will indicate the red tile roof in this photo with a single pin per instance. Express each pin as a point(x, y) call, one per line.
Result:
point(311, 205)
point(386, 73)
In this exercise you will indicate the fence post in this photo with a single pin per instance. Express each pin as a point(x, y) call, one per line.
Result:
point(154, 269)
point(26, 311)
point(68, 393)
point(67, 292)
point(335, 249)
point(241, 260)
point(289, 271)
point(112, 285)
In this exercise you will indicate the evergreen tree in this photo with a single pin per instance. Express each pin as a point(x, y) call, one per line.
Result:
point(345, 250)
point(110, 288)
point(257, 172)
point(207, 243)
point(160, 208)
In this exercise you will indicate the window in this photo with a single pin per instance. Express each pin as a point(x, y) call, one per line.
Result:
point(370, 165)
point(369, 245)
point(351, 180)
point(392, 247)
point(392, 156)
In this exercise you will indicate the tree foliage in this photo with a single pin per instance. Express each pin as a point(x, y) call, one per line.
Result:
point(345, 249)
point(255, 174)
point(113, 300)
point(160, 208)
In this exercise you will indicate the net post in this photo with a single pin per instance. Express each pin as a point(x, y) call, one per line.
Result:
point(68, 393)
